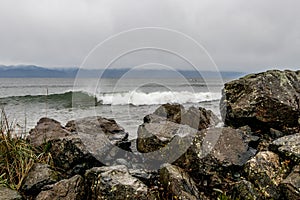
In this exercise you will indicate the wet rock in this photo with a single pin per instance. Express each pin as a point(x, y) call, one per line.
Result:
point(290, 186)
point(265, 172)
point(178, 183)
point(39, 176)
point(114, 182)
point(9, 194)
point(171, 112)
point(266, 100)
point(45, 130)
point(245, 190)
point(71, 189)
point(216, 150)
point(288, 147)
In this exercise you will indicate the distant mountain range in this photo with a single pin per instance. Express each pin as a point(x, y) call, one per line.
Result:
point(32, 71)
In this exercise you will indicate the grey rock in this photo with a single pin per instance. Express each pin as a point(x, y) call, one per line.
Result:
point(68, 189)
point(171, 112)
point(114, 182)
point(178, 183)
point(9, 194)
point(266, 172)
point(265, 100)
point(288, 147)
point(45, 130)
point(39, 176)
point(290, 186)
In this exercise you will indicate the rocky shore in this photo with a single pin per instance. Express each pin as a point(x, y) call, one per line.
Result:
point(180, 153)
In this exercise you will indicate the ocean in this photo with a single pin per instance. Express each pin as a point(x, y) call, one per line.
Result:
point(26, 100)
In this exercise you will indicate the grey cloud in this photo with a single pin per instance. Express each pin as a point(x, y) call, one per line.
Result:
point(239, 35)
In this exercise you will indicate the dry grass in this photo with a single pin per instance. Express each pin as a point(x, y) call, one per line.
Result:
point(17, 156)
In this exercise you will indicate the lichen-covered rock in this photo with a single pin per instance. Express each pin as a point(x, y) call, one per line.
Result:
point(266, 172)
point(288, 147)
point(245, 190)
point(177, 183)
point(216, 149)
point(39, 176)
point(68, 189)
point(266, 100)
point(9, 194)
point(45, 130)
point(114, 182)
point(290, 186)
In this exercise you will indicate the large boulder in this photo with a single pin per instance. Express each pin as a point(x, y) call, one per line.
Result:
point(197, 118)
point(266, 172)
point(217, 150)
point(114, 182)
point(47, 129)
point(265, 100)
point(70, 189)
point(39, 176)
point(245, 190)
point(178, 183)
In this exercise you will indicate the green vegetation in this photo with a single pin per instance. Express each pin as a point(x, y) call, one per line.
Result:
point(17, 156)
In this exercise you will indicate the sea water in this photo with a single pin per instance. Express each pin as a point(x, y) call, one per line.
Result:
point(26, 100)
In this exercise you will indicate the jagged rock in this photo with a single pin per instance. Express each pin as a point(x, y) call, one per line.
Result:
point(9, 194)
point(45, 130)
point(290, 186)
point(197, 118)
point(148, 177)
point(266, 100)
point(216, 149)
point(245, 190)
point(101, 126)
point(70, 189)
point(178, 183)
point(114, 182)
point(171, 112)
point(163, 142)
point(266, 172)
point(288, 147)
point(39, 176)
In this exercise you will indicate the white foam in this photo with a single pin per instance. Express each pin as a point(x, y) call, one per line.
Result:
point(139, 98)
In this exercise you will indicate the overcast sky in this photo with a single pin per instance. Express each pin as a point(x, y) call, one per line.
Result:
point(239, 35)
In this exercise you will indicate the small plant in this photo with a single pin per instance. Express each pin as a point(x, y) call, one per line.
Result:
point(17, 156)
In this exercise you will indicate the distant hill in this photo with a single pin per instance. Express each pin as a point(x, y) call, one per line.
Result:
point(32, 71)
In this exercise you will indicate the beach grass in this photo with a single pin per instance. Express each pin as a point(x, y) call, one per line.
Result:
point(17, 156)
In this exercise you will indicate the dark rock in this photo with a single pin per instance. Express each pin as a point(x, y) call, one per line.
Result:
point(45, 130)
point(114, 182)
point(216, 150)
point(263, 101)
point(163, 142)
point(148, 177)
point(266, 172)
point(245, 190)
point(288, 147)
point(39, 176)
point(9, 194)
point(71, 189)
point(171, 112)
point(199, 118)
point(177, 183)
point(290, 186)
